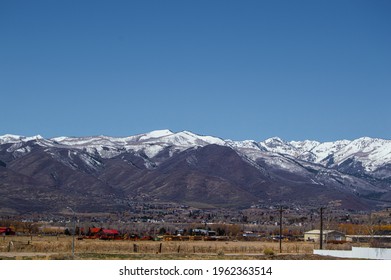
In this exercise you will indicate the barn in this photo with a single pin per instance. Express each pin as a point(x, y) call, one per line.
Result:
point(94, 232)
point(6, 231)
point(109, 234)
point(328, 235)
point(102, 233)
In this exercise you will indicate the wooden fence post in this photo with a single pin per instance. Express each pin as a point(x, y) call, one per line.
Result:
point(160, 248)
point(135, 249)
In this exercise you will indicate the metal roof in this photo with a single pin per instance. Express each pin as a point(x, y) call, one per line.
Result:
point(317, 231)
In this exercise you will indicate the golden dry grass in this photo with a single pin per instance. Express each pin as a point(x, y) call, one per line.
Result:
point(126, 249)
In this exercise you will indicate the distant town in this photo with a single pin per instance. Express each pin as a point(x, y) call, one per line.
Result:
point(153, 221)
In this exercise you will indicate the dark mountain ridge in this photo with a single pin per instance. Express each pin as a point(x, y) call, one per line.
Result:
point(102, 174)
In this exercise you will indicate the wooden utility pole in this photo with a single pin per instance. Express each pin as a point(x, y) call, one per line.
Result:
point(280, 229)
point(74, 232)
point(321, 228)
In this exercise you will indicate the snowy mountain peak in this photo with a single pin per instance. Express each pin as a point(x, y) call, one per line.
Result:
point(156, 134)
point(187, 139)
point(277, 145)
point(11, 138)
point(274, 140)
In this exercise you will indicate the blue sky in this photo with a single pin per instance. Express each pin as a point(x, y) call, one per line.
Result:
point(234, 69)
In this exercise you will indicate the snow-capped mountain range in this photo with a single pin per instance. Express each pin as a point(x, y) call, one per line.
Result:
point(372, 153)
point(360, 167)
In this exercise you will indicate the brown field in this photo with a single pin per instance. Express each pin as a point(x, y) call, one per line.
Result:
point(60, 247)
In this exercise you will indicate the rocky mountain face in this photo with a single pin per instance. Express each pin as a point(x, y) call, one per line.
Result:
point(101, 174)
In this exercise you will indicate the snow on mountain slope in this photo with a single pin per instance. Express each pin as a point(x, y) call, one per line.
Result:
point(149, 144)
point(188, 139)
point(175, 142)
point(302, 149)
point(183, 138)
point(246, 144)
point(10, 138)
point(285, 159)
point(155, 134)
point(371, 153)
point(21, 145)
point(323, 150)
point(89, 141)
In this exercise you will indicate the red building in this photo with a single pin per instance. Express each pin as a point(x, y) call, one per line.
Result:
point(6, 231)
point(102, 233)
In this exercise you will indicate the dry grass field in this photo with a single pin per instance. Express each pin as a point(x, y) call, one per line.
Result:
point(60, 247)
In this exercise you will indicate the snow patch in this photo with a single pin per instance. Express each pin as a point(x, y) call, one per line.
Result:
point(156, 134)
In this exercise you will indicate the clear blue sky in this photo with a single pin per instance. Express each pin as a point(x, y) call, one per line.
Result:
point(234, 69)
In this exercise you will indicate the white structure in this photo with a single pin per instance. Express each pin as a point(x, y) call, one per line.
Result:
point(328, 235)
point(368, 238)
point(358, 253)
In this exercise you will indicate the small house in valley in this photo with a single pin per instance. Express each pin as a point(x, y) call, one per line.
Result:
point(328, 235)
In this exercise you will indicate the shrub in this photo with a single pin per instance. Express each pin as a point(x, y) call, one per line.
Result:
point(220, 253)
point(268, 252)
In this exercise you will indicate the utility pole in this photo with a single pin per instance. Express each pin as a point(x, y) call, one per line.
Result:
point(281, 229)
point(74, 231)
point(321, 228)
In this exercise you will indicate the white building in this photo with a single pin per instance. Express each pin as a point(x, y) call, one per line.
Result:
point(328, 235)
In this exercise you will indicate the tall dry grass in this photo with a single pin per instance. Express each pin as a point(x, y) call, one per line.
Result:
point(63, 245)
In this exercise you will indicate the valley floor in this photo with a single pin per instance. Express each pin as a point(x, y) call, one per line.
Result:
point(54, 247)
